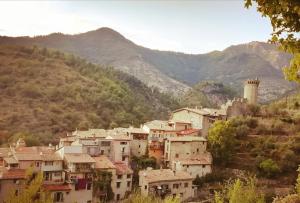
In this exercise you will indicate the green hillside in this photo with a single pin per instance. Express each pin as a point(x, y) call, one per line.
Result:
point(208, 94)
point(46, 93)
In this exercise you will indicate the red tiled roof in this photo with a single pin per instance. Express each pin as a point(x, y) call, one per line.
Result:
point(56, 187)
point(122, 168)
point(187, 132)
point(14, 174)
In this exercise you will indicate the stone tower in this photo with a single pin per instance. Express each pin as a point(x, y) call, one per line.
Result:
point(251, 90)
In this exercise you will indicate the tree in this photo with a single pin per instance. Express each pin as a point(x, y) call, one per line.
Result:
point(284, 16)
point(238, 191)
point(221, 140)
point(102, 184)
point(33, 192)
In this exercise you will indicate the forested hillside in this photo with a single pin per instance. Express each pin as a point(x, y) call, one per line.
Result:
point(45, 93)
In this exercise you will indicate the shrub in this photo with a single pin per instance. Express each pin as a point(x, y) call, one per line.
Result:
point(242, 130)
point(268, 168)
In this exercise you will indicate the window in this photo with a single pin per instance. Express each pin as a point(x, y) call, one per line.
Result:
point(89, 186)
point(203, 166)
point(48, 163)
point(176, 155)
point(123, 158)
point(37, 164)
point(105, 143)
point(145, 187)
point(128, 184)
point(186, 184)
point(123, 149)
point(58, 197)
point(175, 186)
point(118, 196)
point(197, 149)
point(102, 152)
point(118, 184)
point(123, 143)
point(119, 176)
point(16, 192)
point(139, 146)
point(90, 201)
point(128, 176)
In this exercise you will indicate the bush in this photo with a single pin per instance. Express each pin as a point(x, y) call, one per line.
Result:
point(242, 130)
point(268, 168)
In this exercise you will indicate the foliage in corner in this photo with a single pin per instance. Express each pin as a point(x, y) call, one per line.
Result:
point(284, 16)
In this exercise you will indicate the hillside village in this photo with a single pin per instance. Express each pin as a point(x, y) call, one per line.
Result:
point(103, 164)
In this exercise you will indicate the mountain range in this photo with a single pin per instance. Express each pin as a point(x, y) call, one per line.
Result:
point(174, 72)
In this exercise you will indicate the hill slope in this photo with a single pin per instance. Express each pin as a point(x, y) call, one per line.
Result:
point(207, 94)
point(47, 92)
point(170, 71)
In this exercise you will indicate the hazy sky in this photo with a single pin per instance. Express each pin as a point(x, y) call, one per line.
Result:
point(184, 26)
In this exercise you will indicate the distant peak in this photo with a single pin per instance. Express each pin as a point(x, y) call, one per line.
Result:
point(105, 31)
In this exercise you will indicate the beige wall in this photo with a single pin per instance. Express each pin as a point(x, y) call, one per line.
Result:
point(184, 115)
point(138, 147)
point(183, 192)
point(8, 187)
point(193, 170)
point(123, 185)
point(79, 196)
point(118, 148)
point(183, 149)
point(28, 164)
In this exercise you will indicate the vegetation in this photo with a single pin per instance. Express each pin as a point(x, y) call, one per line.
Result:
point(284, 16)
point(45, 92)
point(268, 168)
point(238, 191)
point(138, 198)
point(141, 163)
point(207, 94)
point(221, 140)
point(102, 185)
point(33, 191)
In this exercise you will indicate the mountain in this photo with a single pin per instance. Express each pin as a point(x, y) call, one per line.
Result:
point(45, 92)
point(174, 72)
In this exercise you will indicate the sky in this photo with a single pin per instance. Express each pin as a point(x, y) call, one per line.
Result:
point(187, 26)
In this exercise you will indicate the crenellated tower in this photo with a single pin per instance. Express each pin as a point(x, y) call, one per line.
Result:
point(251, 90)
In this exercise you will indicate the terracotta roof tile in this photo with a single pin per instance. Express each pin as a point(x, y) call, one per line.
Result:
point(56, 187)
point(122, 168)
point(14, 174)
point(102, 162)
point(188, 132)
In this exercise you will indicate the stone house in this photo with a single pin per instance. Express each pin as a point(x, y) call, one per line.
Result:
point(12, 182)
point(139, 140)
point(183, 148)
point(78, 169)
point(122, 181)
point(199, 165)
point(165, 182)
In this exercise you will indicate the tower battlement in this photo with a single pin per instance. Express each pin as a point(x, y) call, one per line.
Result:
point(252, 81)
